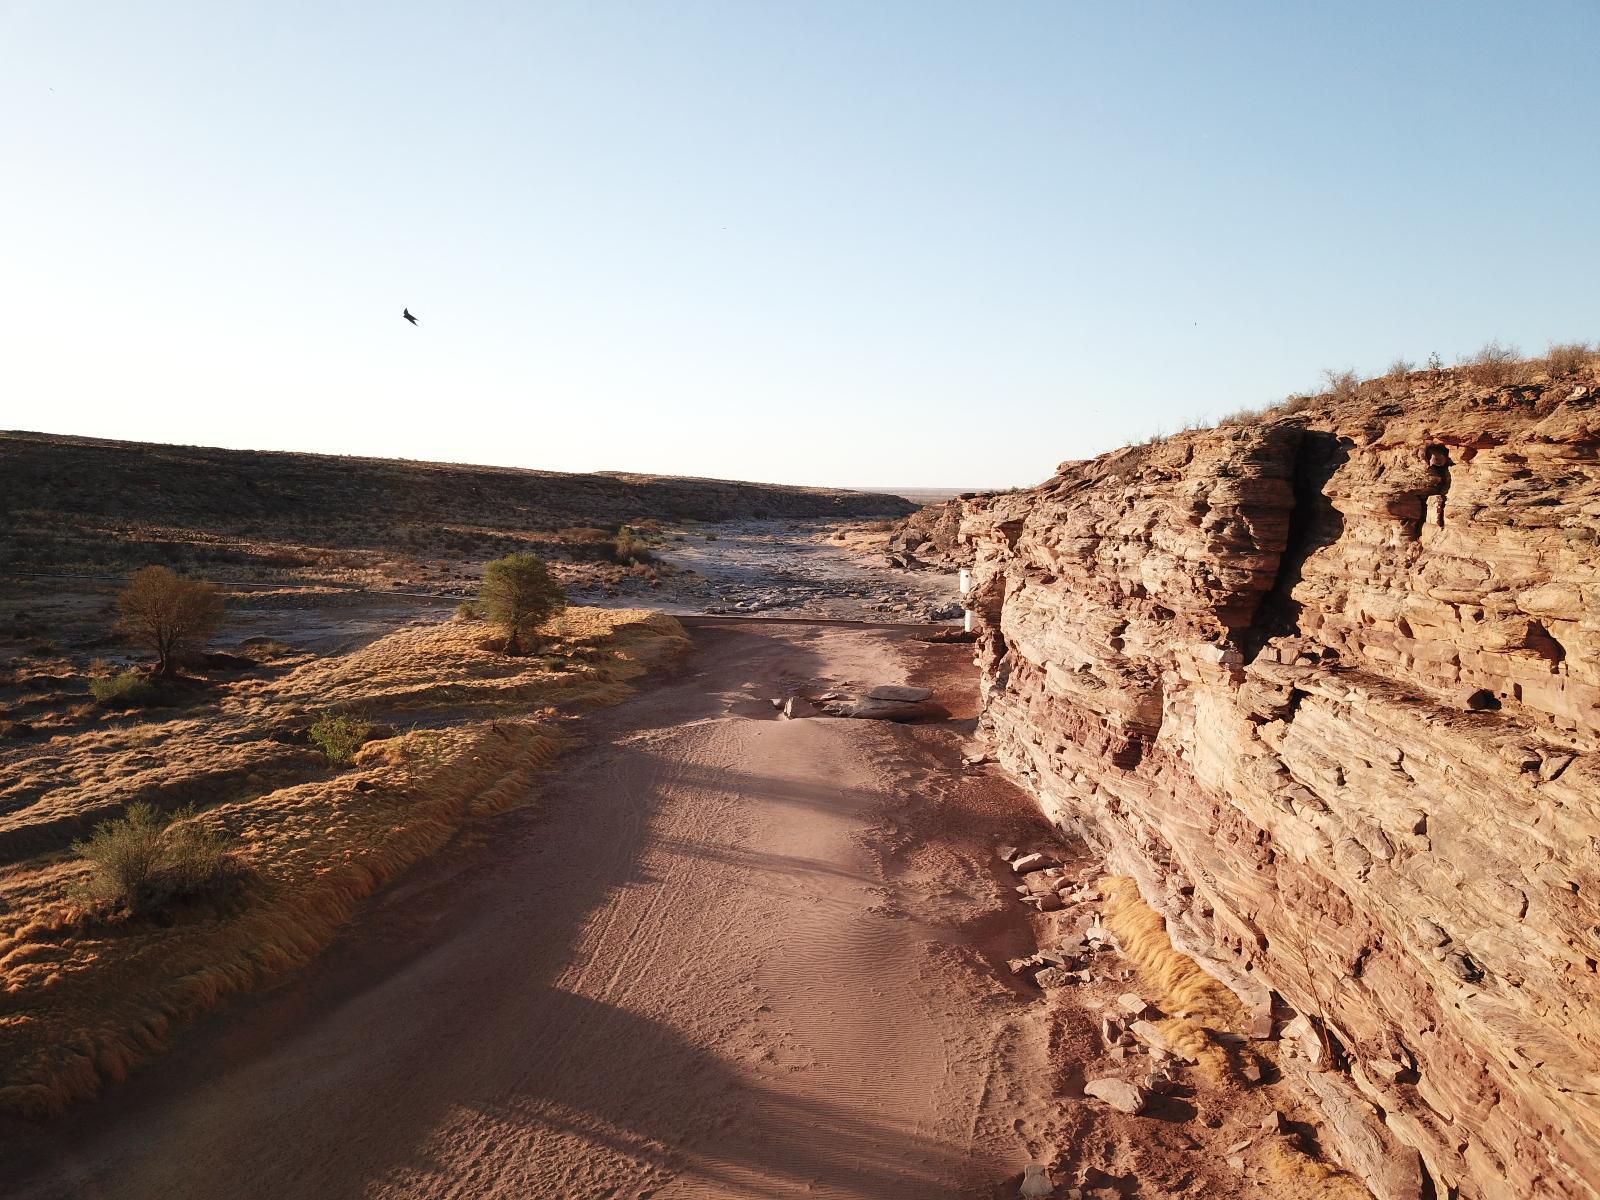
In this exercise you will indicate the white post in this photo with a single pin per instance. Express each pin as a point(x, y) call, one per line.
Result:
point(966, 621)
point(966, 580)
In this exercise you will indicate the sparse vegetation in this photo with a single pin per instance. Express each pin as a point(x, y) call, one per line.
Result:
point(140, 861)
point(78, 972)
point(519, 594)
point(629, 547)
point(1341, 384)
point(129, 689)
point(466, 611)
point(1564, 358)
point(168, 615)
point(1493, 365)
point(339, 736)
point(1250, 416)
point(1400, 368)
point(584, 535)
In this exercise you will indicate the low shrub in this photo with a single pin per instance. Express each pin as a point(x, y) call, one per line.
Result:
point(466, 611)
point(1565, 358)
point(339, 736)
point(1400, 367)
point(129, 689)
point(1493, 365)
point(1342, 384)
point(629, 547)
point(140, 860)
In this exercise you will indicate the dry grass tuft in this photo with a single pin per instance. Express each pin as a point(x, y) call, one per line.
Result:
point(1297, 1176)
point(1176, 982)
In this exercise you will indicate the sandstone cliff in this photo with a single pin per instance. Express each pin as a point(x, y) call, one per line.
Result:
point(1327, 684)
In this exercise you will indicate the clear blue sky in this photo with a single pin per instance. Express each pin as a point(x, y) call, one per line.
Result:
point(853, 243)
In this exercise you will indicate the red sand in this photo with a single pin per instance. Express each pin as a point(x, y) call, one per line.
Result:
point(727, 956)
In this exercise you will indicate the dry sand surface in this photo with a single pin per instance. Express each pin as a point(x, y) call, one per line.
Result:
point(729, 956)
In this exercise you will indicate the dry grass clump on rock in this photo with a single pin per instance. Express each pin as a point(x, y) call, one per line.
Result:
point(1178, 985)
point(84, 999)
point(1342, 385)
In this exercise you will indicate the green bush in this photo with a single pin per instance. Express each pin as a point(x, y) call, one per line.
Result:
point(629, 547)
point(130, 689)
point(140, 861)
point(520, 594)
point(339, 737)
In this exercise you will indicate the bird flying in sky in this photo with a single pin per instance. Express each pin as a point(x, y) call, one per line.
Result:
point(406, 313)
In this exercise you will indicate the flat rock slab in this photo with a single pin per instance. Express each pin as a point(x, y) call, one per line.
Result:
point(885, 710)
point(891, 691)
point(1118, 1093)
point(1029, 862)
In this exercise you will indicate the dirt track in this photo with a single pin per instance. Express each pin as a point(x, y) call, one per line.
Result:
point(728, 956)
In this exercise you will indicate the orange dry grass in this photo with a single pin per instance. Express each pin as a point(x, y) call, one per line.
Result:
point(1179, 986)
point(81, 1003)
point(1298, 1176)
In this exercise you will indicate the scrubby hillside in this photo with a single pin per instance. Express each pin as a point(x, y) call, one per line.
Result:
point(79, 503)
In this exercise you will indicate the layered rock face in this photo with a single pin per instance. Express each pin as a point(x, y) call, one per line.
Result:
point(1328, 686)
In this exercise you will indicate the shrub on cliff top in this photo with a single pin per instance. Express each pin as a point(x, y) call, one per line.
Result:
point(1564, 358)
point(1493, 365)
point(1342, 384)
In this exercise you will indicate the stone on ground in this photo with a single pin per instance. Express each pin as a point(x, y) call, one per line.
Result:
point(1121, 1095)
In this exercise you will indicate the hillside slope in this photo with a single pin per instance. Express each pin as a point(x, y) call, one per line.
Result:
point(1326, 682)
point(69, 503)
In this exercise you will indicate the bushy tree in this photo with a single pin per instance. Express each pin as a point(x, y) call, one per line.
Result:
point(168, 614)
point(518, 594)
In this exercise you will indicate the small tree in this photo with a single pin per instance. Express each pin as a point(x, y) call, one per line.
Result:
point(168, 614)
point(518, 593)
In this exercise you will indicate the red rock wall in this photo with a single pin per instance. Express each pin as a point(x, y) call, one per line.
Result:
point(1328, 686)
